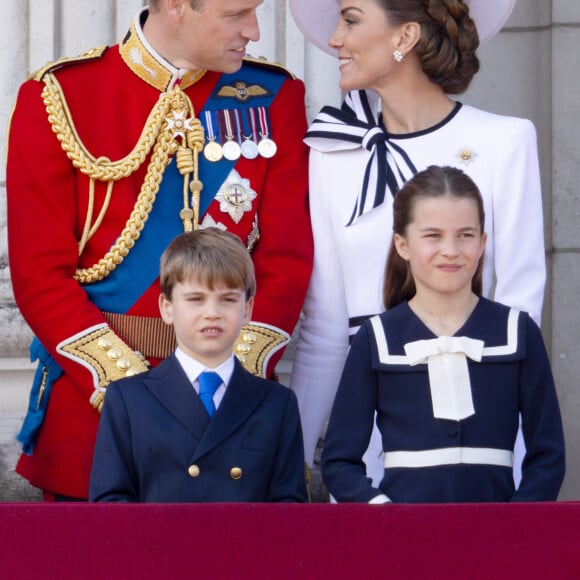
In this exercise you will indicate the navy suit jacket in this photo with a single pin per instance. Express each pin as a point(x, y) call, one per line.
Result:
point(156, 442)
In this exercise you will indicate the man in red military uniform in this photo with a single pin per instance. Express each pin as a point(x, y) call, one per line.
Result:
point(110, 156)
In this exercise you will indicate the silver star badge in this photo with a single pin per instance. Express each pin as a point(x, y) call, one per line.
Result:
point(236, 196)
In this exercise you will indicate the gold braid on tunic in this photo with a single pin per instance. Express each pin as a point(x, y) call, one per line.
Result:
point(171, 129)
point(171, 118)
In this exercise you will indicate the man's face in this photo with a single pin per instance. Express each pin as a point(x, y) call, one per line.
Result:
point(214, 37)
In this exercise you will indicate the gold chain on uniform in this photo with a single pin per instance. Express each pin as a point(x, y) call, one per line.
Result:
point(154, 136)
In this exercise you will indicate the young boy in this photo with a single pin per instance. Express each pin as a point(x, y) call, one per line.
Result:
point(157, 439)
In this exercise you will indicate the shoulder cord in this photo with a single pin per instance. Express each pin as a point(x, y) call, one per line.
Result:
point(159, 135)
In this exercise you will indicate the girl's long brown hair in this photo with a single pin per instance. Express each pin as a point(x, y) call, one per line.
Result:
point(433, 182)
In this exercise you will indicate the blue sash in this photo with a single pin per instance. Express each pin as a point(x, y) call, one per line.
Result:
point(140, 268)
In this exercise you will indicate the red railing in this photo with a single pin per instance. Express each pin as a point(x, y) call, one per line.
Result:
point(318, 541)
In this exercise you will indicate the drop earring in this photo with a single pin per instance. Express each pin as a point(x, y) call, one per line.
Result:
point(398, 55)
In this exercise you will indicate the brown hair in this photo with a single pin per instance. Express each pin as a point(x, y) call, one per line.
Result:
point(211, 256)
point(433, 182)
point(448, 42)
point(195, 4)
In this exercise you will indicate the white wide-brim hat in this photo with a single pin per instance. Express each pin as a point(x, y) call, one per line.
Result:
point(318, 19)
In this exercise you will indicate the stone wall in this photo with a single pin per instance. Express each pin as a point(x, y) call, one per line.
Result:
point(529, 70)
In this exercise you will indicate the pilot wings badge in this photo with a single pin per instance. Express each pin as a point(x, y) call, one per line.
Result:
point(242, 92)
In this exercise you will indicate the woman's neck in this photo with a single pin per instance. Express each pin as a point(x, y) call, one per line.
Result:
point(413, 104)
point(443, 315)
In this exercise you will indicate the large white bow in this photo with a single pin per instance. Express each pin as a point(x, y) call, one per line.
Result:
point(446, 359)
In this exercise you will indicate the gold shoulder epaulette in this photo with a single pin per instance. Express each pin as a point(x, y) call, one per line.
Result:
point(263, 62)
point(91, 54)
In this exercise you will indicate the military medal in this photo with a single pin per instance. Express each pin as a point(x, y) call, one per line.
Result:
point(179, 124)
point(235, 196)
point(266, 147)
point(249, 149)
point(254, 236)
point(212, 151)
point(249, 146)
point(232, 149)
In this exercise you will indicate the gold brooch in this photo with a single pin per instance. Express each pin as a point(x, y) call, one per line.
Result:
point(466, 155)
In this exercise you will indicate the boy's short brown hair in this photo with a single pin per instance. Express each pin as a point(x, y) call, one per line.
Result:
point(211, 256)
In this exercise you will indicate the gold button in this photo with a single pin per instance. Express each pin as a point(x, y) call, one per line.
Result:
point(243, 348)
point(114, 354)
point(123, 364)
point(104, 344)
point(250, 337)
point(236, 472)
point(193, 470)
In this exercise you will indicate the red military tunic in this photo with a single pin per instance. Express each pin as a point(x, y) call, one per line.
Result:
point(98, 108)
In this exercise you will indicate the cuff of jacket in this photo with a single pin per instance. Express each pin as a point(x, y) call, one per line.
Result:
point(104, 355)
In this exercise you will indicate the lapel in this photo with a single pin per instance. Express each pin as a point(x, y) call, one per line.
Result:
point(170, 385)
point(243, 395)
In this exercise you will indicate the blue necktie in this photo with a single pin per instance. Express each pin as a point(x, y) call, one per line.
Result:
point(208, 385)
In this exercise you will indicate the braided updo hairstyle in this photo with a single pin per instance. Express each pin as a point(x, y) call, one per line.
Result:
point(448, 42)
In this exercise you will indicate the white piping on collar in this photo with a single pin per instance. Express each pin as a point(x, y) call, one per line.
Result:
point(176, 73)
point(510, 347)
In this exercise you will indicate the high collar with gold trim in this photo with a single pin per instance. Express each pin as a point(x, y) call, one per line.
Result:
point(148, 64)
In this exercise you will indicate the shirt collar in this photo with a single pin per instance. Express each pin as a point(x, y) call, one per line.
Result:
point(148, 64)
point(193, 368)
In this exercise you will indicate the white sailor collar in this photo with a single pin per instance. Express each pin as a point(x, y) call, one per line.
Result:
point(509, 347)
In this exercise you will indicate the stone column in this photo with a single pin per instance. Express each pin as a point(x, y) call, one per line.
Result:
point(565, 116)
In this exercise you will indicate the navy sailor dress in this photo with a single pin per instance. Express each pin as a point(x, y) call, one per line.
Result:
point(429, 458)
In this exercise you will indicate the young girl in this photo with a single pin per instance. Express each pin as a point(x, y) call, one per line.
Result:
point(446, 370)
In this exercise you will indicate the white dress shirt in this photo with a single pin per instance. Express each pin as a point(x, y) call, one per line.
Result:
point(194, 368)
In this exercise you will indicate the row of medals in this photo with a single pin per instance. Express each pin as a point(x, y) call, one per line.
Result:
point(232, 150)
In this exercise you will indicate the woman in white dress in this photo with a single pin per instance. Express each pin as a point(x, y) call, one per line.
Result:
point(399, 62)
